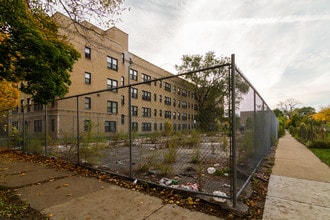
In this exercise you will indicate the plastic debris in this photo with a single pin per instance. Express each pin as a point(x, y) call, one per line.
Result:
point(219, 193)
point(211, 170)
point(135, 182)
point(175, 184)
point(192, 186)
point(165, 182)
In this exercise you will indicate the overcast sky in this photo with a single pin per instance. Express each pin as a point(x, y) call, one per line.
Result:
point(282, 47)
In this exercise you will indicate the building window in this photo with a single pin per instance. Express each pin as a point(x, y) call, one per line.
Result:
point(146, 78)
point(155, 97)
point(179, 91)
point(179, 116)
point(122, 100)
point(195, 107)
point(37, 125)
point(52, 125)
point(168, 114)
point(184, 92)
point(29, 105)
point(110, 126)
point(155, 112)
point(160, 126)
point(167, 87)
point(134, 93)
point(179, 103)
point(122, 81)
point(134, 110)
point(146, 112)
point(160, 98)
point(88, 78)
point(14, 125)
point(122, 119)
point(184, 104)
point(184, 116)
point(160, 84)
point(37, 107)
point(87, 125)
point(174, 102)
point(88, 103)
point(135, 126)
point(112, 107)
point(174, 115)
point(146, 96)
point(111, 83)
point(174, 89)
point(112, 63)
point(122, 57)
point(167, 101)
point(88, 52)
point(146, 126)
point(22, 105)
point(155, 126)
point(160, 113)
point(133, 74)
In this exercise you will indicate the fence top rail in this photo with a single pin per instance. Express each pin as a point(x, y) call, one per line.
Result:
point(251, 85)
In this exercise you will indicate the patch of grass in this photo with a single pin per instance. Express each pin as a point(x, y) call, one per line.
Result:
point(323, 154)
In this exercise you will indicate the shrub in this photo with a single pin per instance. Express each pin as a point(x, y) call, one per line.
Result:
point(319, 144)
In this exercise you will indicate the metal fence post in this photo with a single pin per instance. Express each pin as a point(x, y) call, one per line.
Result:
point(78, 136)
point(23, 126)
point(130, 130)
point(8, 133)
point(233, 129)
point(46, 133)
point(130, 62)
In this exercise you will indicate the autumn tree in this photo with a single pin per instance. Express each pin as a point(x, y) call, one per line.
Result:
point(8, 95)
point(211, 87)
point(323, 115)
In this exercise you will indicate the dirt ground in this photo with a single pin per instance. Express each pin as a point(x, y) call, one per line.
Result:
point(255, 202)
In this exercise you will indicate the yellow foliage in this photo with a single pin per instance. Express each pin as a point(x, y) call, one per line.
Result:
point(323, 115)
point(8, 95)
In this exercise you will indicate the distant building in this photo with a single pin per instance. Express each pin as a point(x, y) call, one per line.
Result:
point(106, 63)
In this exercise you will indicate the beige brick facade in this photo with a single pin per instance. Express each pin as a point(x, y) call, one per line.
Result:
point(106, 62)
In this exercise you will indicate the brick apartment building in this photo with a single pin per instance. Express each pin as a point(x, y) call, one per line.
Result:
point(106, 63)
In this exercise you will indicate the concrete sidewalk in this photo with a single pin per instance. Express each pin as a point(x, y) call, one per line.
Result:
point(299, 187)
point(66, 195)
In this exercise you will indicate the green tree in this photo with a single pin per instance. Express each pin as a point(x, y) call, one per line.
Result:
point(32, 53)
point(211, 86)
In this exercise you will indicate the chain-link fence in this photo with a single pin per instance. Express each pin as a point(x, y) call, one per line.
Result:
point(206, 138)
